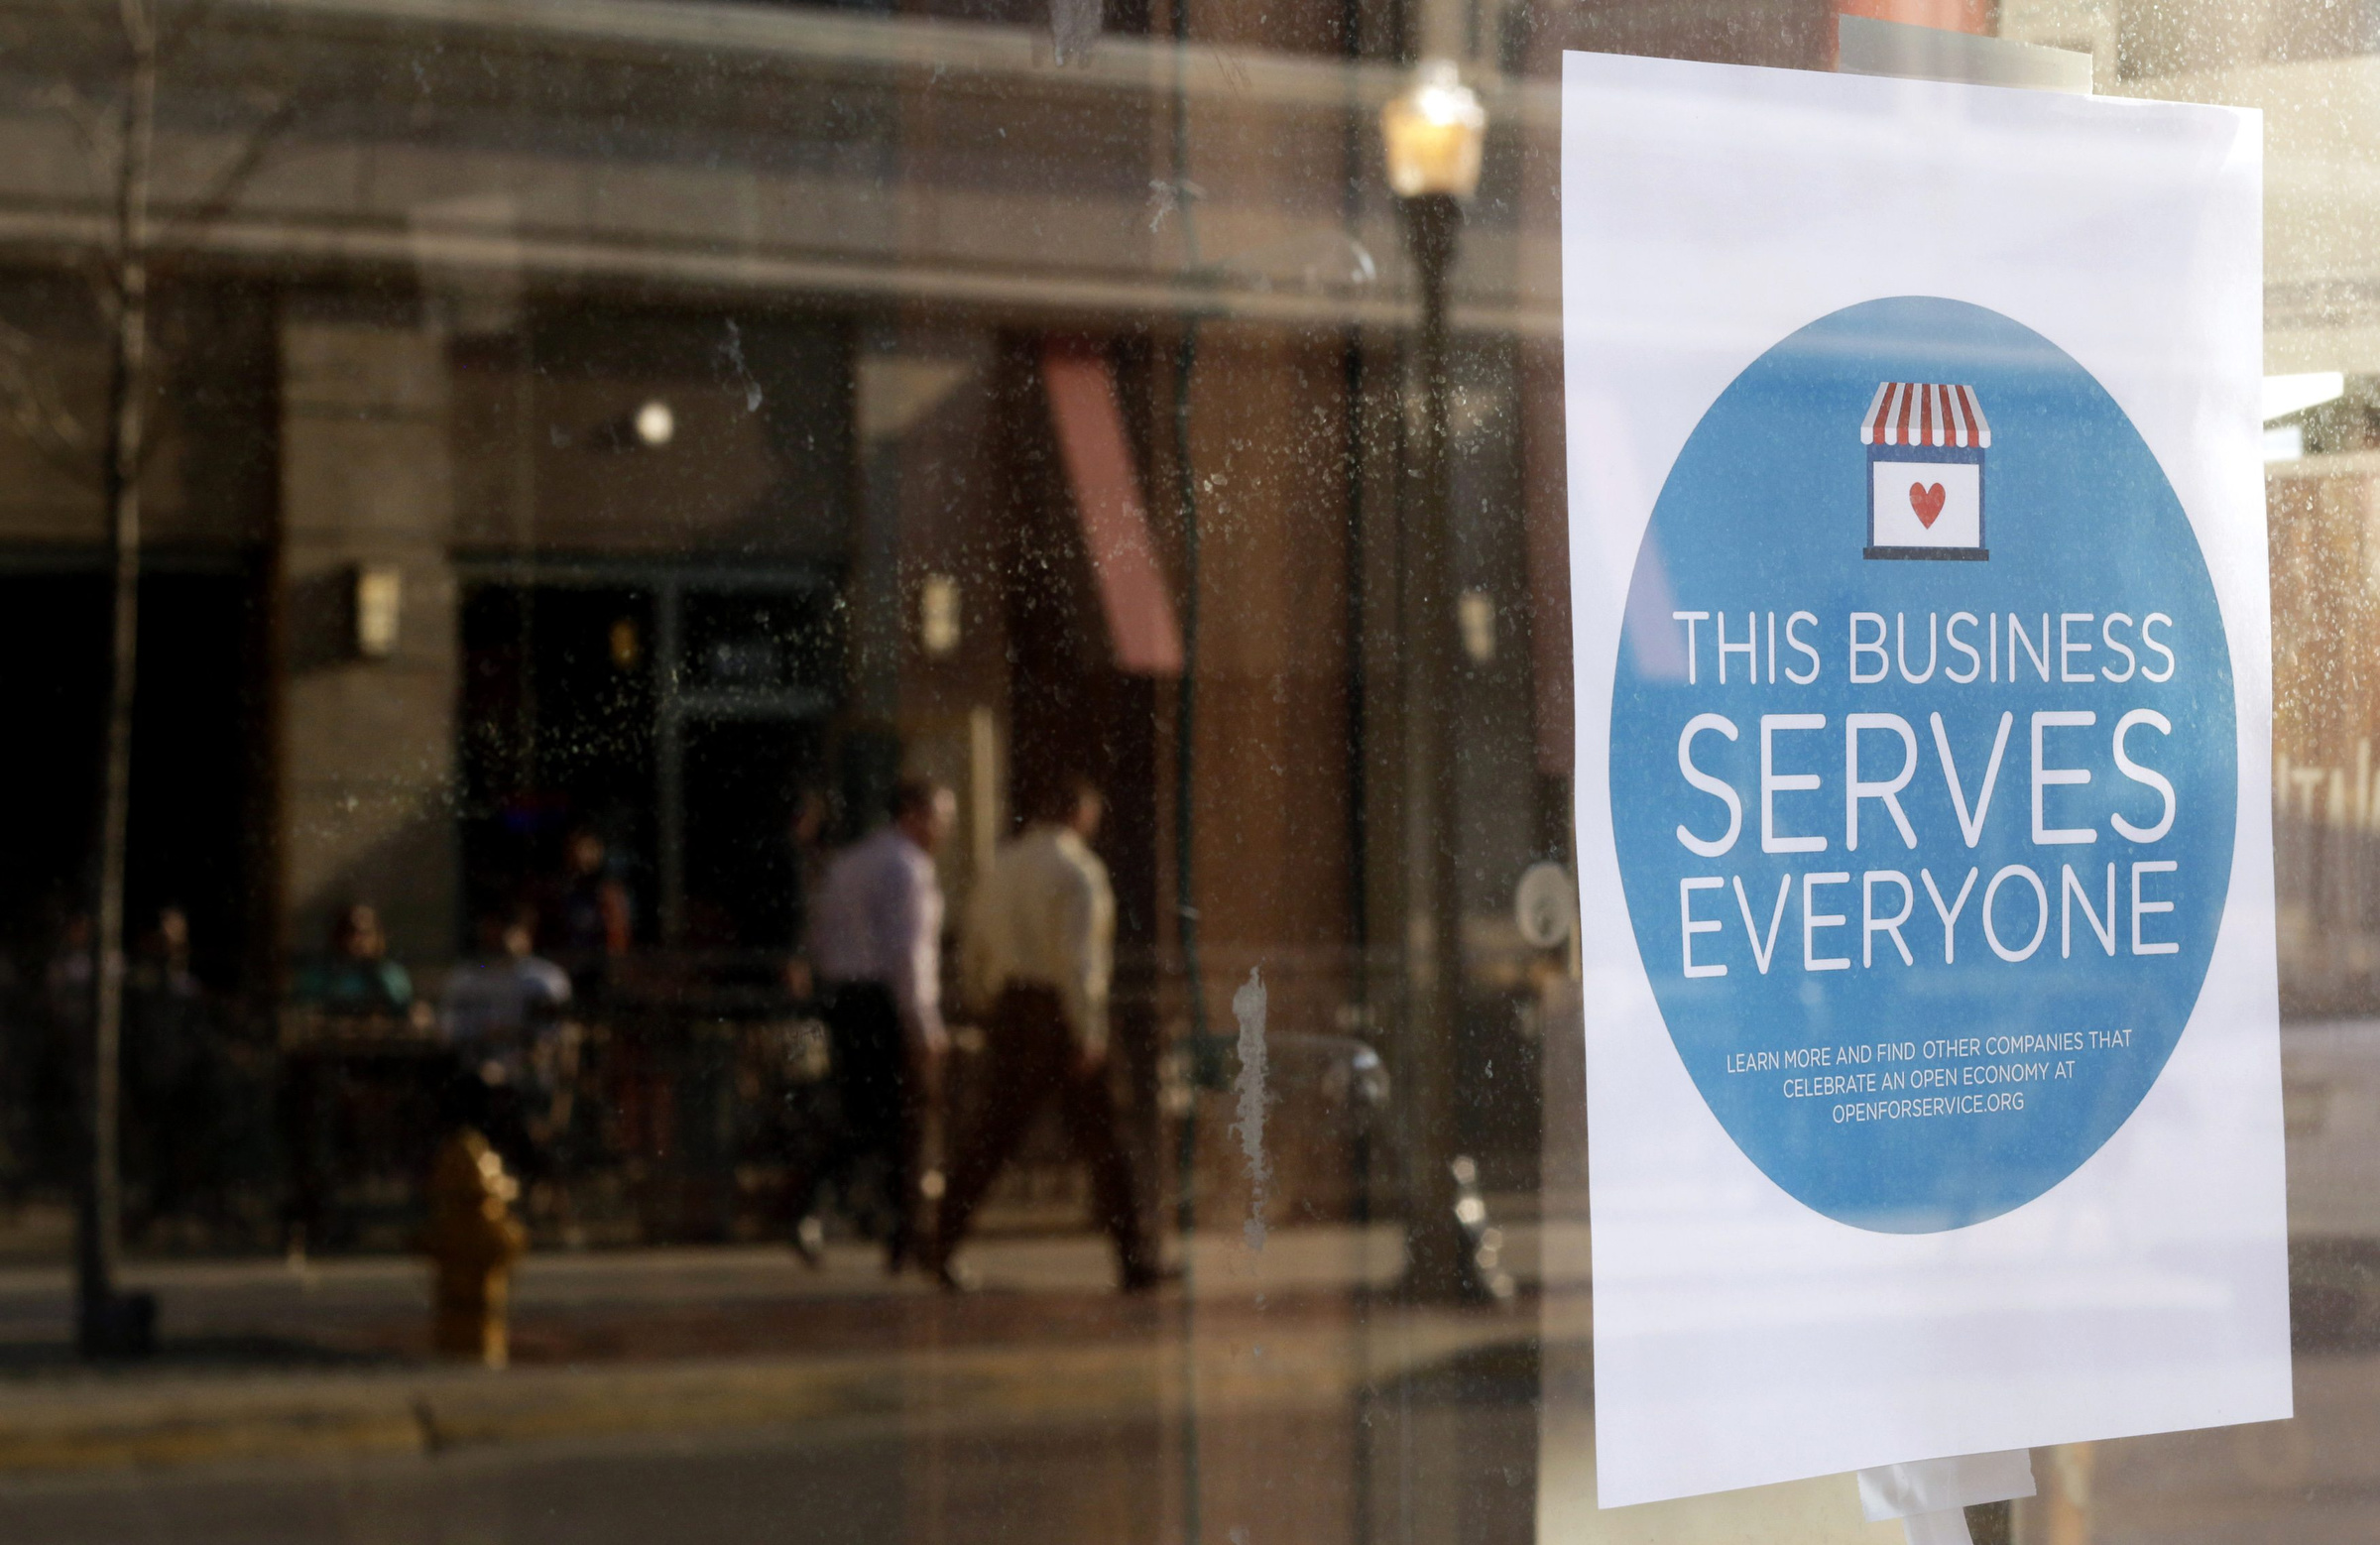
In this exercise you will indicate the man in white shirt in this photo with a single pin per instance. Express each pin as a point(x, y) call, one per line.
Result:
point(1040, 941)
point(876, 942)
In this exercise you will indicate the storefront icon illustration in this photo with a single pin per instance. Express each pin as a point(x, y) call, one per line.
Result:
point(1925, 471)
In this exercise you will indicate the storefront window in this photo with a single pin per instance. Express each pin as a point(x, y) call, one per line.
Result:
point(805, 769)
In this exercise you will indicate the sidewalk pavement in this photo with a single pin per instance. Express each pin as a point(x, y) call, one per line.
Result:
point(262, 1361)
point(649, 1372)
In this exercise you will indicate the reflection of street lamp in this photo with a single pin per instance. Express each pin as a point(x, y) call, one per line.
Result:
point(1433, 135)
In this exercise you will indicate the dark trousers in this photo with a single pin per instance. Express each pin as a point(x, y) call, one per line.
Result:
point(879, 1107)
point(1029, 1057)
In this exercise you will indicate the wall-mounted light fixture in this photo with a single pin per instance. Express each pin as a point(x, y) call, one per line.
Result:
point(1475, 615)
point(379, 602)
point(651, 425)
point(938, 615)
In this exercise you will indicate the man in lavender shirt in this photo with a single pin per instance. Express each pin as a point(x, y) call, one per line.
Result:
point(875, 943)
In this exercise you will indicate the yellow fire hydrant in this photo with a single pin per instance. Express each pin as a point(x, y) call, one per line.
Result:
point(472, 1240)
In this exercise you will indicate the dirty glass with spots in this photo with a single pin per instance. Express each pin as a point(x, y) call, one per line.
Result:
point(792, 770)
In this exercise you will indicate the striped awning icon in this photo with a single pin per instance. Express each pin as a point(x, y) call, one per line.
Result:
point(1919, 413)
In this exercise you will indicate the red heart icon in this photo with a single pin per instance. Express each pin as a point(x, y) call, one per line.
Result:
point(1927, 502)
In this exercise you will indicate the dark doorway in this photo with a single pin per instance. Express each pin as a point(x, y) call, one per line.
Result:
point(742, 779)
point(557, 735)
point(195, 732)
point(678, 714)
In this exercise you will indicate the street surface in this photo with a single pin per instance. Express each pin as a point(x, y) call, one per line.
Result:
point(737, 1392)
point(732, 1394)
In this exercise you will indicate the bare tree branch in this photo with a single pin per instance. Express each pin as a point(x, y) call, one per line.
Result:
point(98, 269)
point(32, 403)
point(228, 183)
point(94, 131)
point(32, 407)
point(182, 28)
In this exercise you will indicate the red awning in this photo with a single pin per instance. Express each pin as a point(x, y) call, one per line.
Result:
point(1141, 631)
point(1917, 412)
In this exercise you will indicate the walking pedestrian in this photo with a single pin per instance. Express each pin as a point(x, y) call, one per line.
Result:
point(877, 943)
point(1041, 942)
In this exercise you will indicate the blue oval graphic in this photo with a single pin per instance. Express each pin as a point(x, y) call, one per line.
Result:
point(1924, 763)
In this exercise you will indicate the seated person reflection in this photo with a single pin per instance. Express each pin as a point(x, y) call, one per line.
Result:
point(502, 1012)
point(355, 977)
point(505, 997)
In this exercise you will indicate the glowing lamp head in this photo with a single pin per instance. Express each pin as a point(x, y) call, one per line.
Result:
point(1434, 133)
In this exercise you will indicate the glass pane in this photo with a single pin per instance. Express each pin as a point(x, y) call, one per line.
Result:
point(567, 570)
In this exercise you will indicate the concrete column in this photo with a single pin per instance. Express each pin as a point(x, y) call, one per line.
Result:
point(366, 747)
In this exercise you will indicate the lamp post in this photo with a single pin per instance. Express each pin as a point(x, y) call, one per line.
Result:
point(1432, 135)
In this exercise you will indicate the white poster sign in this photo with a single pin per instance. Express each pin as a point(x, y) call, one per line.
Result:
point(1918, 552)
